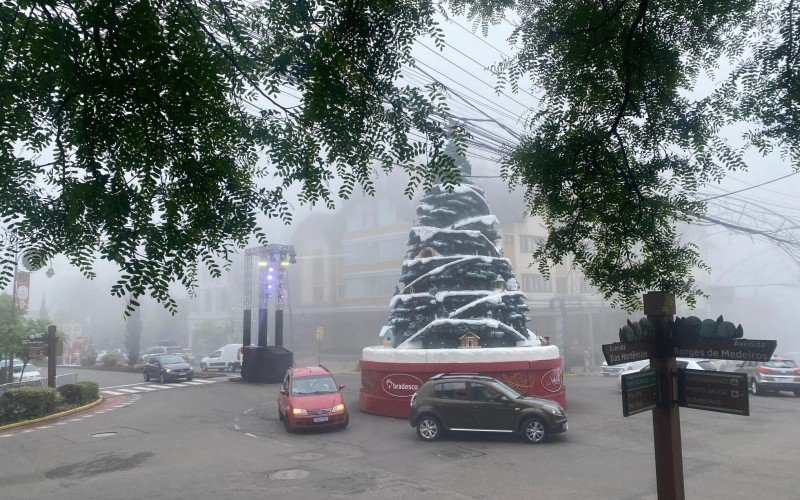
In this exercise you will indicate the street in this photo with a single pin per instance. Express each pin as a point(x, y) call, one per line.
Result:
point(222, 438)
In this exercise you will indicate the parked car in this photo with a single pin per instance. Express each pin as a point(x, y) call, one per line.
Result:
point(609, 370)
point(309, 398)
point(227, 357)
point(776, 375)
point(690, 363)
point(158, 350)
point(30, 373)
point(474, 402)
point(165, 367)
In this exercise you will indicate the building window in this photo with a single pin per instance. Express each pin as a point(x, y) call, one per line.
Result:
point(527, 243)
point(536, 283)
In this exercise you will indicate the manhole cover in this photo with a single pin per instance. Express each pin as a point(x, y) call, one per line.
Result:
point(289, 474)
point(453, 454)
point(308, 456)
point(104, 434)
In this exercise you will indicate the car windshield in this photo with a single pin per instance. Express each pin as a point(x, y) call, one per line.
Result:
point(511, 393)
point(30, 368)
point(171, 359)
point(322, 384)
point(783, 363)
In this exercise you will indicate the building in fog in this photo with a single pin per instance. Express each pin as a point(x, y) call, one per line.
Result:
point(349, 263)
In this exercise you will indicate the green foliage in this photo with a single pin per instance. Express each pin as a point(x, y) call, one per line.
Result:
point(88, 354)
point(27, 403)
point(109, 360)
point(71, 393)
point(157, 116)
point(90, 391)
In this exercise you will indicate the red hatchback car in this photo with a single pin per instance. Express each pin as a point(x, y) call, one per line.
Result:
point(310, 399)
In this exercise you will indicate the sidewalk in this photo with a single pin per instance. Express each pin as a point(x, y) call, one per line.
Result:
point(336, 363)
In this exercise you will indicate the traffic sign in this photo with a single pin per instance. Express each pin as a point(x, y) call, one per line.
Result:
point(320, 333)
point(625, 352)
point(734, 349)
point(36, 352)
point(723, 392)
point(639, 392)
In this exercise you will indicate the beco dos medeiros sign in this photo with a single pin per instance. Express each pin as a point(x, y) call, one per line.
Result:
point(400, 385)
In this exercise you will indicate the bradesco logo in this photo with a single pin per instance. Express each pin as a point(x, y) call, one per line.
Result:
point(400, 385)
point(552, 380)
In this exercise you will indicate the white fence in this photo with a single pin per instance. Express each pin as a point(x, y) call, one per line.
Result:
point(67, 378)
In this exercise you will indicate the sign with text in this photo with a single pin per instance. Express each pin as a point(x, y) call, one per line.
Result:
point(320, 333)
point(735, 349)
point(625, 352)
point(714, 391)
point(639, 392)
point(36, 352)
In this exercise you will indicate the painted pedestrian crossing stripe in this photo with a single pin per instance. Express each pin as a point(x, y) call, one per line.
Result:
point(144, 388)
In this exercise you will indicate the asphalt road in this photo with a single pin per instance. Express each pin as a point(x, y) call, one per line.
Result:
point(224, 440)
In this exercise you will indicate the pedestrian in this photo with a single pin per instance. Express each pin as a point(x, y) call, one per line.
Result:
point(587, 361)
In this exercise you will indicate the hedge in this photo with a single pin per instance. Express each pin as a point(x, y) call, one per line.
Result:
point(71, 393)
point(89, 390)
point(27, 403)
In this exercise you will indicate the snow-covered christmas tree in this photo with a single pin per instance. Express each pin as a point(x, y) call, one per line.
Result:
point(455, 280)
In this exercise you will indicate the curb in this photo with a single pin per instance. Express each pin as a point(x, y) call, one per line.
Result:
point(53, 416)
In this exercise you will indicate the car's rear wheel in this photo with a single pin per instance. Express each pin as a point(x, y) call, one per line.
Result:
point(797, 393)
point(534, 430)
point(429, 428)
point(753, 387)
point(230, 367)
point(203, 367)
point(146, 376)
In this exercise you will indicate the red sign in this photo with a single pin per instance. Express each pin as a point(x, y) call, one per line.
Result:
point(552, 380)
point(401, 385)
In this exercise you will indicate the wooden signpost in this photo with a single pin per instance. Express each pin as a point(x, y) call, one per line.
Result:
point(655, 389)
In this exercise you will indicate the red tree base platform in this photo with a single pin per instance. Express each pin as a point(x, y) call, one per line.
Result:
point(386, 387)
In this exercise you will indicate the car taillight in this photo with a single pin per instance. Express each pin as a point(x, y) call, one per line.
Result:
point(763, 369)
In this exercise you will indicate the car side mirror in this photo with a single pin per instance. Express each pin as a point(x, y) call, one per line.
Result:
point(340, 386)
point(499, 398)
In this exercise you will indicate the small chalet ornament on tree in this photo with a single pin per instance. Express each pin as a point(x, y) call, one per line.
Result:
point(469, 340)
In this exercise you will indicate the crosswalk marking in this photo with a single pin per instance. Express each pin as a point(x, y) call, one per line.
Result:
point(135, 389)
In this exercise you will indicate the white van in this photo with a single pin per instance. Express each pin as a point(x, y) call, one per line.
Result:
point(227, 357)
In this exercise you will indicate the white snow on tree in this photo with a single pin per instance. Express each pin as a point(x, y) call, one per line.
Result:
point(449, 282)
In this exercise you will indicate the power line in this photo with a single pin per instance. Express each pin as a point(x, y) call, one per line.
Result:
point(752, 187)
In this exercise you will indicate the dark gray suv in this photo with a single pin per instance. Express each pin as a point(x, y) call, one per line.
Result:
point(475, 402)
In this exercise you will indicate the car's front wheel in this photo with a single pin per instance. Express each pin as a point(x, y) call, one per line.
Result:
point(203, 367)
point(162, 379)
point(429, 428)
point(146, 376)
point(189, 378)
point(287, 425)
point(534, 430)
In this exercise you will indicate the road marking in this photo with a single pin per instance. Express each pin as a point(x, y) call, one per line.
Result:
point(193, 383)
point(112, 393)
point(247, 411)
point(205, 381)
point(6, 435)
point(128, 391)
point(43, 427)
point(27, 431)
point(165, 386)
point(251, 435)
point(144, 388)
point(74, 419)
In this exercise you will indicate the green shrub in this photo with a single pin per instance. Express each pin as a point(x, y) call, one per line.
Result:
point(89, 390)
point(109, 360)
point(71, 393)
point(27, 403)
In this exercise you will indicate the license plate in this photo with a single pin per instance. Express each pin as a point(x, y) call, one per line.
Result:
point(320, 419)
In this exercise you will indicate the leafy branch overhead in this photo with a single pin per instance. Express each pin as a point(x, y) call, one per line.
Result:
point(136, 131)
point(154, 133)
